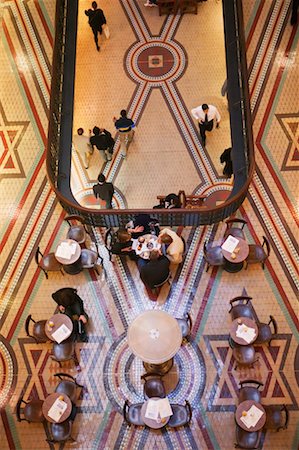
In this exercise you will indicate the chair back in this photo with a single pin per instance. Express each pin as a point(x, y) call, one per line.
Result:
point(249, 392)
point(132, 413)
point(273, 321)
point(232, 222)
point(182, 415)
point(186, 325)
point(153, 386)
point(18, 410)
point(61, 432)
point(109, 240)
point(47, 263)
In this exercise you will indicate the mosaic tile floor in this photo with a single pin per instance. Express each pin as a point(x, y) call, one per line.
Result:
point(31, 216)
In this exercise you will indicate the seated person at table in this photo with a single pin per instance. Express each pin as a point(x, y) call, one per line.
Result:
point(143, 224)
point(173, 244)
point(70, 303)
point(154, 271)
point(123, 244)
point(170, 201)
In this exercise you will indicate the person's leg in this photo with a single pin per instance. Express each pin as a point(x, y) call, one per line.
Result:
point(103, 155)
point(123, 144)
point(202, 130)
point(109, 204)
point(95, 34)
point(108, 154)
point(87, 157)
point(130, 135)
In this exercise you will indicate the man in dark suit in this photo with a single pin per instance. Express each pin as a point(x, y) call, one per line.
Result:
point(103, 141)
point(154, 271)
point(96, 20)
point(104, 191)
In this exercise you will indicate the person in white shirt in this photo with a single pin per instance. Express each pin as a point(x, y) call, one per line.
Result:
point(175, 245)
point(206, 114)
point(82, 146)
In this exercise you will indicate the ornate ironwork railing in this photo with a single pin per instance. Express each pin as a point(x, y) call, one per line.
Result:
point(61, 118)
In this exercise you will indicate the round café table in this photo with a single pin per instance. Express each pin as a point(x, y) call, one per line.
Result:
point(48, 403)
point(58, 320)
point(245, 406)
point(156, 424)
point(236, 264)
point(71, 265)
point(155, 337)
point(151, 239)
point(234, 326)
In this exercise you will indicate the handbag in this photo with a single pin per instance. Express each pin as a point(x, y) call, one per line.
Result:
point(106, 31)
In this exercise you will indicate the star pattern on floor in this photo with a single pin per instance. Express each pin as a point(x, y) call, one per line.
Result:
point(290, 125)
point(272, 361)
point(11, 134)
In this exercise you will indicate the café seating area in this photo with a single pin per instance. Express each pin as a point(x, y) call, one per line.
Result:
point(163, 367)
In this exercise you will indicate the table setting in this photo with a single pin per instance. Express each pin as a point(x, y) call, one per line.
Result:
point(145, 244)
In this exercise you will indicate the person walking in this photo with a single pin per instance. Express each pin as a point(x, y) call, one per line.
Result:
point(104, 191)
point(96, 20)
point(82, 145)
point(103, 141)
point(124, 126)
point(206, 114)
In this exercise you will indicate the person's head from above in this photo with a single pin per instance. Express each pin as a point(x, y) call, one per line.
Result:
point(205, 107)
point(123, 235)
point(80, 131)
point(154, 255)
point(101, 178)
point(165, 239)
point(94, 5)
point(172, 200)
point(123, 113)
point(96, 131)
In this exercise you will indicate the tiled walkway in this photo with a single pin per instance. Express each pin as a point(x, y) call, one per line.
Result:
point(31, 216)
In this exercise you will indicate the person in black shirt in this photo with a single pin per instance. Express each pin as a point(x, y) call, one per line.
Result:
point(96, 20)
point(71, 304)
point(154, 271)
point(124, 126)
point(226, 158)
point(104, 191)
point(103, 141)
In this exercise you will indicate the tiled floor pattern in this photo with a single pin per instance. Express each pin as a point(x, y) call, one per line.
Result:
point(30, 216)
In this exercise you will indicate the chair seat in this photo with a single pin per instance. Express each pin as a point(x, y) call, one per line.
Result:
point(249, 393)
point(77, 233)
point(256, 253)
point(154, 388)
point(64, 351)
point(275, 418)
point(244, 354)
point(236, 232)
point(214, 256)
point(179, 417)
point(184, 326)
point(68, 388)
point(134, 414)
point(61, 431)
point(49, 262)
point(33, 411)
point(88, 258)
point(264, 333)
point(246, 439)
point(39, 331)
point(242, 311)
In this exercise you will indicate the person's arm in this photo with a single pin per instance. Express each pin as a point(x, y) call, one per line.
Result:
point(102, 16)
point(217, 116)
point(195, 112)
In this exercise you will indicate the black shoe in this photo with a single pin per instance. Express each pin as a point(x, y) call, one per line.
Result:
point(98, 48)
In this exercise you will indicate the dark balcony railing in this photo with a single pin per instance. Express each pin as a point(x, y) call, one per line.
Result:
point(61, 122)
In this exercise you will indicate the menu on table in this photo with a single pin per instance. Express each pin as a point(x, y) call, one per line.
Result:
point(158, 409)
point(57, 409)
point(246, 333)
point(62, 333)
point(252, 416)
point(66, 250)
point(230, 244)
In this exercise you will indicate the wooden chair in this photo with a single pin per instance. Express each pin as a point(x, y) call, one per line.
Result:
point(64, 351)
point(32, 411)
point(167, 7)
point(61, 432)
point(182, 415)
point(249, 392)
point(188, 6)
point(241, 307)
point(132, 413)
point(77, 231)
point(68, 386)
point(258, 253)
point(153, 386)
point(213, 256)
point(232, 228)
point(265, 334)
point(247, 439)
point(185, 325)
point(90, 258)
point(191, 201)
point(244, 355)
point(47, 263)
point(38, 331)
point(274, 418)
point(109, 239)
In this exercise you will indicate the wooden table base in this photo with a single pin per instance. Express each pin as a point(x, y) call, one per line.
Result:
point(161, 369)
